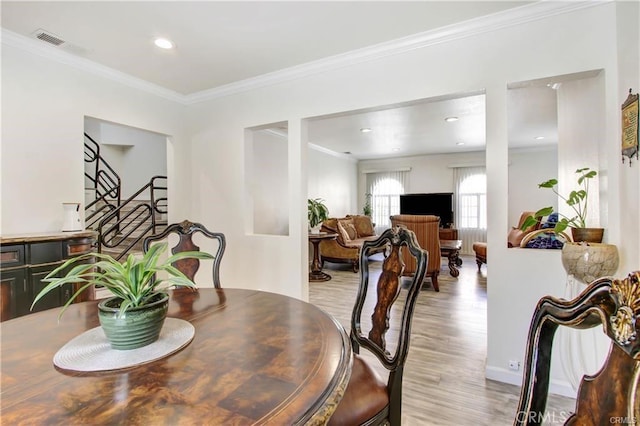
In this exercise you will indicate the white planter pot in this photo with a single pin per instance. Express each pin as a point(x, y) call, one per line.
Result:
point(315, 229)
point(589, 261)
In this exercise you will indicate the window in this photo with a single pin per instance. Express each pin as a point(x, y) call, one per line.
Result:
point(385, 189)
point(472, 202)
point(470, 205)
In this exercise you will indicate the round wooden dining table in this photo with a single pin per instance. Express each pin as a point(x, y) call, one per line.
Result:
point(256, 358)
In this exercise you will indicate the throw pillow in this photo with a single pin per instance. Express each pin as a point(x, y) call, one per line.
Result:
point(346, 221)
point(351, 230)
point(363, 225)
point(343, 232)
point(331, 224)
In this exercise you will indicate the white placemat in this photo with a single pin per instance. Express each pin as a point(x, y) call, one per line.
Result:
point(91, 351)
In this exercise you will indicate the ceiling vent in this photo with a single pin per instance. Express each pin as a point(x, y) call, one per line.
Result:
point(48, 37)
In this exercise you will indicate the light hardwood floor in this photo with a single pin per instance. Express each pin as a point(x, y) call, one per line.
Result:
point(444, 382)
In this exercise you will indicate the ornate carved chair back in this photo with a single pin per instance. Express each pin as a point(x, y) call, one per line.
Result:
point(185, 231)
point(609, 396)
point(368, 399)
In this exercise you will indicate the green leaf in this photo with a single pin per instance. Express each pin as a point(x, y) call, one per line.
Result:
point(548, 184)
point(560, 226)
point(545, 211)
point(187, 255)
point(132, 280)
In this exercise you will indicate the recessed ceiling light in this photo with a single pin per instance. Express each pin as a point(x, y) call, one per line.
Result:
point(538, 138)
point(459, 143)
point(365, 130)
point(395, 149)
point(451, 119)
point(163, 43)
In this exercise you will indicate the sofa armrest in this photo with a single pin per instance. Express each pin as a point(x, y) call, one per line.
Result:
point(333, 249)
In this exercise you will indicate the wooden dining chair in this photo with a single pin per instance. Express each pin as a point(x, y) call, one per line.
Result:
point(611, 395)
point(185, 231)
point(426, 228)
point(368, 399)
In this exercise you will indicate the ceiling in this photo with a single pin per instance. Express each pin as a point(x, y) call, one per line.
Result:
point(222, 43)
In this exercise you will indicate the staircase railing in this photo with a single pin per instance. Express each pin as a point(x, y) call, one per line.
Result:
point(105, 183)
point(125, 226)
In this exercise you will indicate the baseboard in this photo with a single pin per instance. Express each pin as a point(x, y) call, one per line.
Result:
point(557, 387)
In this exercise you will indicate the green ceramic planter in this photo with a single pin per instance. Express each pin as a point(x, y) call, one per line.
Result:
point(137, 327)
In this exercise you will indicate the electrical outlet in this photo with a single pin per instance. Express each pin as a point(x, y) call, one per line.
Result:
point(514, 365)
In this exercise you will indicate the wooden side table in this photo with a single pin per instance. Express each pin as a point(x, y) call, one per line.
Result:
point(451, 250)
point(316, 274)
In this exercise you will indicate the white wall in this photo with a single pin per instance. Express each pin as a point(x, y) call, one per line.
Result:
point(141, 155)
point(581, 132)
point(209, 169)
point(528, 168)
point(429, 173)
point(44, 105)
point(333, 177)
point(624, 182)
point(266, 156)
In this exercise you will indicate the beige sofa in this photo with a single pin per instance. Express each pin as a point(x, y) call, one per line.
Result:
point(352, 232)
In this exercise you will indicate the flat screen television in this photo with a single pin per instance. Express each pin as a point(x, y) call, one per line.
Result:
point(438, 204)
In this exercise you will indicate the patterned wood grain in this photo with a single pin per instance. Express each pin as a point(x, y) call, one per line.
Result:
point(606, 396)
point(188, 266)
point(444, 377)
point(256, 358)
point(388, 288)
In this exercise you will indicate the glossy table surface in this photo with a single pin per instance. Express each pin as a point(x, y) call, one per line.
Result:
point(256, 358)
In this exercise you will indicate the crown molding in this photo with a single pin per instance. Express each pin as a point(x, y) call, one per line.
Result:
point(36, 47)
point(284, 135)
point(508, 18)
point(277, 133)
point(327, 151)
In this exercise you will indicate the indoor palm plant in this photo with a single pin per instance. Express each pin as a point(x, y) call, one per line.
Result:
point(134, 315)
point(578, 201)
point(317, 212)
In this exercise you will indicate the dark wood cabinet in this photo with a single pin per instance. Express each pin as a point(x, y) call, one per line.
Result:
point(14, 295)
point(26, 260)
point(448, 234)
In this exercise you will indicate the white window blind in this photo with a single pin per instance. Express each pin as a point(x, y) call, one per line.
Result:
point(385, 189)
point(470, 205)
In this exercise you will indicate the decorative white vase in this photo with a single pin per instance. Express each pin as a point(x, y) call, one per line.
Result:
point(589, 261)
point(583, 351)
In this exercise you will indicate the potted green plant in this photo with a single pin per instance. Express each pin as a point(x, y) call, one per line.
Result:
point(578, 201)
point(134, 316)
point(366, 210)
point(317, 212)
